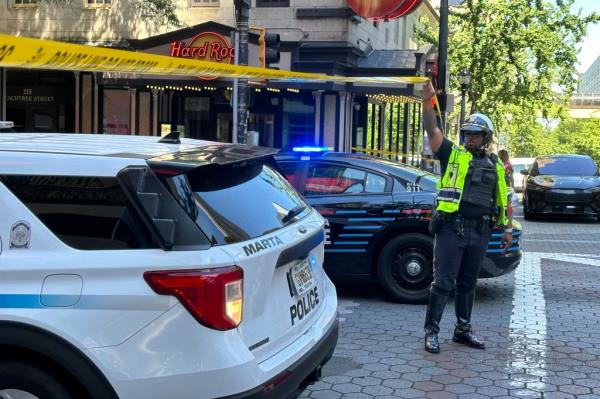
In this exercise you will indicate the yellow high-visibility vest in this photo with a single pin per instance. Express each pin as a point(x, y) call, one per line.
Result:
point(451, 185)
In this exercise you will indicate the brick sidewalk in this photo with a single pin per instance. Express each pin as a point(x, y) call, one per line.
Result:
point(541, 325)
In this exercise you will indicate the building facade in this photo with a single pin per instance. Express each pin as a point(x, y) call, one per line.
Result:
point(321, 39)
point(586, 102)
point(589, 81)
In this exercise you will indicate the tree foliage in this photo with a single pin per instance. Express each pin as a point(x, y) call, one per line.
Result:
point(581, 136)
point(522, 56)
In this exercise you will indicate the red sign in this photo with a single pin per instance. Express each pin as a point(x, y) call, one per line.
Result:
point(206, 46)
point(379, 10)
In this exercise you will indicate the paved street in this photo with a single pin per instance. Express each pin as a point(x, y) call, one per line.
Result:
point(541, 325)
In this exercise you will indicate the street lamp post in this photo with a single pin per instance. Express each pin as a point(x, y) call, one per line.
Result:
point(464, 79)
point(242, 16)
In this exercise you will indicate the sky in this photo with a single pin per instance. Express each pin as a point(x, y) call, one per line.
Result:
point(590, 47)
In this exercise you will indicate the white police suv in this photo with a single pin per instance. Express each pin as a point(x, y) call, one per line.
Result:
point(135, 268)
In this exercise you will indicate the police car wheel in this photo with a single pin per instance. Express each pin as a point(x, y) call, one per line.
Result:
point(24, 381)
point(405, 268)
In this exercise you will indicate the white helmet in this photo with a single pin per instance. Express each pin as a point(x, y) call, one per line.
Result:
point(477, 124)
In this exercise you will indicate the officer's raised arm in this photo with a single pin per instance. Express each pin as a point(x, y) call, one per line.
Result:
point(429, 120)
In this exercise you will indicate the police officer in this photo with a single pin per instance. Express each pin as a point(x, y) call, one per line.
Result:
point(472, 196)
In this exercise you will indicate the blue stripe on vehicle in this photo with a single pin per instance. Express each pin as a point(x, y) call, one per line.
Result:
point(361, 227)
point(500, 242)
point(351, 242)
point(356, 235)
point(95, 302)
point(341, 212)
point(371, 219)
point(345, 250)
point(391, 211)
point(22, 301)
point(515, 234)
point(501, 250)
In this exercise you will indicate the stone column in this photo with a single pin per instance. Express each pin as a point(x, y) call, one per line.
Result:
point(77, 102)
point(155, 127)
point(2, 94)
point(96, 128)
point(317, 96)
point(132, 111)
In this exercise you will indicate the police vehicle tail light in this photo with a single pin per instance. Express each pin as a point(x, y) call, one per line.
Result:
point(214, 297)
point(234, 301)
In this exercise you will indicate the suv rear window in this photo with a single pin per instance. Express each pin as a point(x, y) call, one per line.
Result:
point(237, 202)
point(90, 213)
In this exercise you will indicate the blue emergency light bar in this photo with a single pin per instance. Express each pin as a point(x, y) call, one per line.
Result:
point(311, 149)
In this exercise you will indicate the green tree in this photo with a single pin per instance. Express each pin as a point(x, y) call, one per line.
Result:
point(522, 56)
point(581, 136)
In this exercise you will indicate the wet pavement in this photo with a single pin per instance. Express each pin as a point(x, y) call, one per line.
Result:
point(541, 325)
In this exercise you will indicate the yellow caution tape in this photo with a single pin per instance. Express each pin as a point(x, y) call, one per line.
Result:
point(20, 52)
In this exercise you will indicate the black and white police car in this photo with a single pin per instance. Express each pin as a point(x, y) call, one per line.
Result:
point(377, 214)
point(134, 268)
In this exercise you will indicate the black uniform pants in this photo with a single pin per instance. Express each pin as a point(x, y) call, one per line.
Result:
point(458, 259)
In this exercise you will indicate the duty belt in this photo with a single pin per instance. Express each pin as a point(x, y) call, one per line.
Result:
point(457, 218)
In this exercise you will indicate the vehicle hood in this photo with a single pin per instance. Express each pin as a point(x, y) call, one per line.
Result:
point(566, 182)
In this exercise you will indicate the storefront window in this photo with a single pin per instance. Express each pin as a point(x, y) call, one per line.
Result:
point(196, 117)
point(43, 122)
point(224, 121)
point(116, 111)
point(298, 124)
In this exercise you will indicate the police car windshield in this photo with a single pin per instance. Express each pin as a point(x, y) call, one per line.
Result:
point(238, 202)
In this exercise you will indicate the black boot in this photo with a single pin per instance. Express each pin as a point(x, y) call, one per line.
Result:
point(435, 309)
point(463, 334)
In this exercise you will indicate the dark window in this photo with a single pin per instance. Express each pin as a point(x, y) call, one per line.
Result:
point(338, 179)
point(98, 3)
point(25, 3)
point(334, 179)
point(238, 202)
point(564, 166)
point(272, 3)
point(90, 213)
point(289, 170)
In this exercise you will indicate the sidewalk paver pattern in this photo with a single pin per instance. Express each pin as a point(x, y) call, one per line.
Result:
point(541, 325)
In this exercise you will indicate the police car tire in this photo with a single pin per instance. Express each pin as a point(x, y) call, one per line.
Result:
point(385, 263)
point(527, 215)
point(31, 379)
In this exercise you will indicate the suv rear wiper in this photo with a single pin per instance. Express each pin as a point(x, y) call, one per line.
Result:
point(295, 211)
